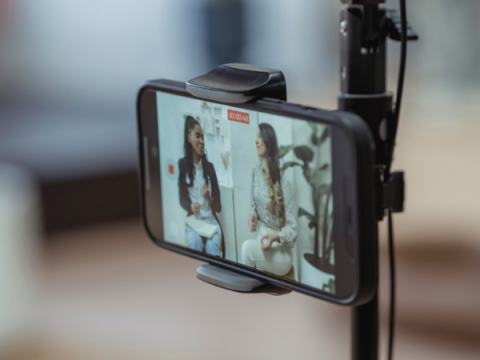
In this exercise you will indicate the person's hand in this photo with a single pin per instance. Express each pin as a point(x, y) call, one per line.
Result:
point(195, 208)
point(205, 191)
point(252, 223)
point(268, 239)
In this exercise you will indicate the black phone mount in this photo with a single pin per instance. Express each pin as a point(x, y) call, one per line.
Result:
point(364, 28)
point(239, 83)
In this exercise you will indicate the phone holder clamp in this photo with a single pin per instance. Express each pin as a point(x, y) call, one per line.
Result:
point(238, 84)
point(390, 194)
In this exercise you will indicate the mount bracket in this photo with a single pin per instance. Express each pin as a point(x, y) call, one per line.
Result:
point(238, 84)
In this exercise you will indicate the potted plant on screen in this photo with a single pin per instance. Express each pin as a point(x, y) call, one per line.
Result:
point(318, 177)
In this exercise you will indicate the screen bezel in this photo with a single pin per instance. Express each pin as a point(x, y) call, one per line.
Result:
point(353, 286)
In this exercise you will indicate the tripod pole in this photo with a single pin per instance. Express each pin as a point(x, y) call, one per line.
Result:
point(365, 331)
point(363, 29)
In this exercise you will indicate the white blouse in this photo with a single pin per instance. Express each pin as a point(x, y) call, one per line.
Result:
point(195, 193)
point(259, 200)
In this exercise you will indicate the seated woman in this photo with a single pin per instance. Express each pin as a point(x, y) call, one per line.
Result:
point(272, 211)
point(199, 191)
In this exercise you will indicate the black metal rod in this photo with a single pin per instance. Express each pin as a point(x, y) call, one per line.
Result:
point(365, 331)
point(363, 70)
point(363, 91)
point(391, 251)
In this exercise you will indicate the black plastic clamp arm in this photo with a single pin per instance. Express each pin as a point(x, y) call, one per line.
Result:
point(390, 195)
point(239, 83)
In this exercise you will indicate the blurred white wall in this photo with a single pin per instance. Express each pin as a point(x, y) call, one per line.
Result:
point(100, 51)
point(298, 37)
point(96, 53)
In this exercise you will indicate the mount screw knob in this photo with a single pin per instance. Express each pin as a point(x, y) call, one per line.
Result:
point(343, 28)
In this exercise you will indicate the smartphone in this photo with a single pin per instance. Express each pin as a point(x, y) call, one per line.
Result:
point(277, 191)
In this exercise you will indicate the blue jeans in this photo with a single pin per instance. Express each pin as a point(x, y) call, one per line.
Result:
point(212, 245)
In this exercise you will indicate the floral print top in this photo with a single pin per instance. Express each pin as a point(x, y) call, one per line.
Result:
point(259, 200)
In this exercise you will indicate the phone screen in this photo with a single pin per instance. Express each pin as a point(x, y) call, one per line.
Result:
point(249, 187)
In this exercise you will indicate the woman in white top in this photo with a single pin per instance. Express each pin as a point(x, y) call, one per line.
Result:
point(272, 211)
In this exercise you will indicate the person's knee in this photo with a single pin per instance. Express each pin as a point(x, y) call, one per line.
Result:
point(213, 247)
point(216, 239)
point(194, 241)
point(244, 250)
point(247, 251)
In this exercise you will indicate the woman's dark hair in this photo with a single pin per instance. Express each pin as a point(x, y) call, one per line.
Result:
point(190, 124)
point(275, 193)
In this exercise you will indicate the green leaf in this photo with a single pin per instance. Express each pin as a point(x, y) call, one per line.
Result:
point(315, 176)
point(316, 132)
point(304, 153)
point(320, 133)
point(290, 164)
point(308, 173)
point(330, 286)
point(284, 150)
point(325, 135)
point(303, 212)
point(322, 189)
point(312, 220)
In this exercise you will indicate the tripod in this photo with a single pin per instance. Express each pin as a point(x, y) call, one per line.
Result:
point(364, 28)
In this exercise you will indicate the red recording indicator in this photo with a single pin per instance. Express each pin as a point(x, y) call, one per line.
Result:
point(238, 117)
point(171, 169)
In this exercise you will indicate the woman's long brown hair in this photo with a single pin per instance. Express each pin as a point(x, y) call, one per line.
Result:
point(273, 178)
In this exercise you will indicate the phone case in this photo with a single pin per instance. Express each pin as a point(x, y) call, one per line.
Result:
point(354, 127)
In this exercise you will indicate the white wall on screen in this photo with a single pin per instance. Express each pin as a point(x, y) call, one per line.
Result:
point(242, 211)
point(244, 151)
point(227, 221)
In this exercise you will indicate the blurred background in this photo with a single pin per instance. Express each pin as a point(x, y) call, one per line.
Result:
point(79, 278)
